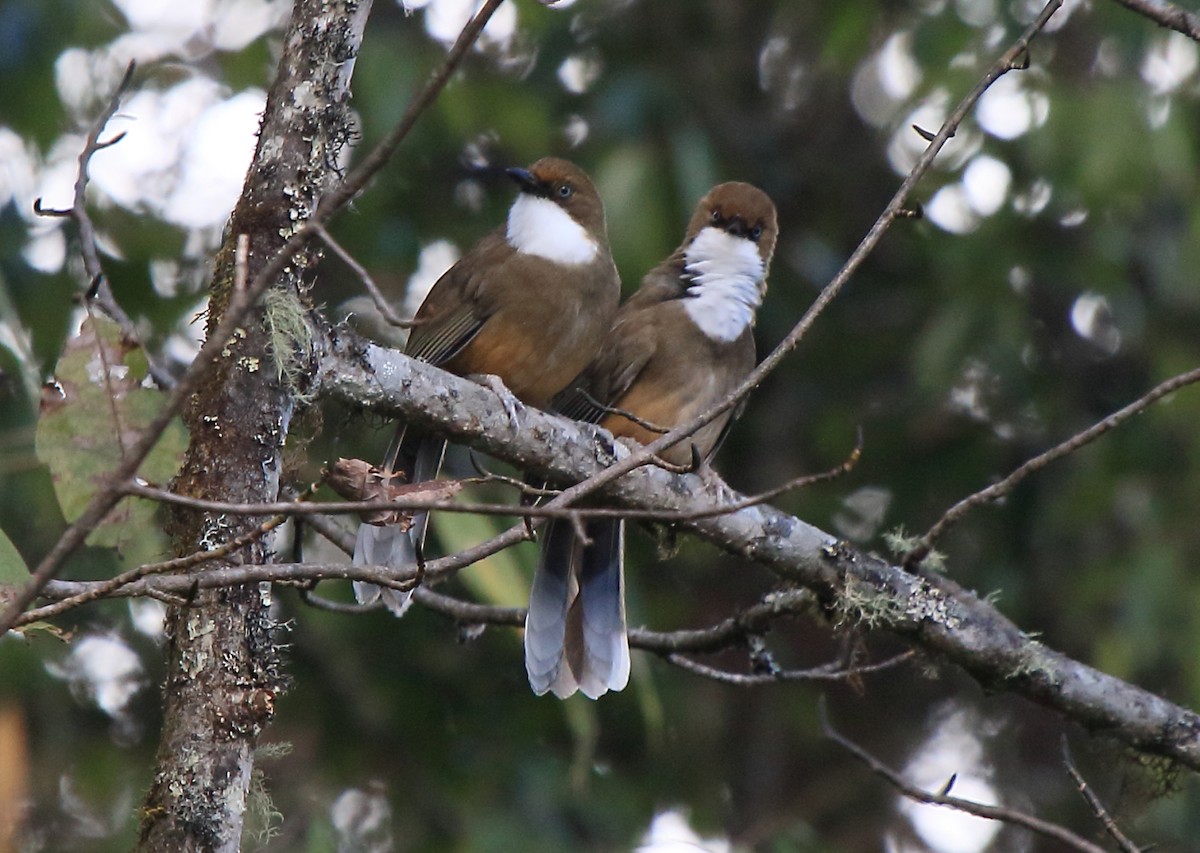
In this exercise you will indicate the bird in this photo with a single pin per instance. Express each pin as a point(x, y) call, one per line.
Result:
point(677, 347)
point(528, 305)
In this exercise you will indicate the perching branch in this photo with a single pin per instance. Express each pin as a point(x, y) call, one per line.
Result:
point(931, 612)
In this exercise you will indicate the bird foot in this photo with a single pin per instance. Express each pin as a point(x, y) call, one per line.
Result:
point(513, 407)
point(714, 485)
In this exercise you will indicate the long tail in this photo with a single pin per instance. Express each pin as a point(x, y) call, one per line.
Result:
point(387, 545)
point(575, 635)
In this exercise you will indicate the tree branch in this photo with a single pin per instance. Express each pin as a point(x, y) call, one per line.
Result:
point(1167, 15)
point(1097, 807)
point(933, 612)
point(1037, 463)
point(98, 291)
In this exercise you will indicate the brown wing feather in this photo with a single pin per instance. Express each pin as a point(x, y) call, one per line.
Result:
point(453, 312)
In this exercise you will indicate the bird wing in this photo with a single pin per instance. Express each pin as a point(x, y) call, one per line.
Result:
point(456, 307)
point(629, 347)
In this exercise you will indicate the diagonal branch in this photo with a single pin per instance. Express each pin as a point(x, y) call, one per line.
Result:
point(1097, 807)
point(998, 490)
point(932, 612)
point(1168, 15)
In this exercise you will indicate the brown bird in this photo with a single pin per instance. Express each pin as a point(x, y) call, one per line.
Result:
point(678, 346)
point(529, 305)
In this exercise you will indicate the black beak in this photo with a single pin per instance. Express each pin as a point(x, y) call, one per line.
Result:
point(738, 227)
point(527, 182)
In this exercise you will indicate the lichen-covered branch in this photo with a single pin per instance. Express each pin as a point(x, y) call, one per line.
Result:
point(932, 612)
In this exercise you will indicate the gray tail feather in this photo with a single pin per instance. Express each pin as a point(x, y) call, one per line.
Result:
point(383, 545)
point(575, 634)
point(387, 545)
point(426, 463)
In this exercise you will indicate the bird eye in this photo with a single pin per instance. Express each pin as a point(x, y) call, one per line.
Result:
point(564, 191)
point(716, 217)
point(755, 233)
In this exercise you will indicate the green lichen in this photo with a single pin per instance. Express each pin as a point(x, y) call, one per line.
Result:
point(1035, 661)
point(901, 543)
point(290, 337)
point(263, 819)
point(863, 603)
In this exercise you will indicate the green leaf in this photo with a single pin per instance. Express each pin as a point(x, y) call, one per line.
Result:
point(98, 408)
point(13, 571)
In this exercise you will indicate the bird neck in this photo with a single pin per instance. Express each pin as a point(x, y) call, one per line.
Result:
point(538, 226)
point(723, 275)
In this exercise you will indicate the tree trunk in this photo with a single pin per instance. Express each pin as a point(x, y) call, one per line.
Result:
point(224, 669)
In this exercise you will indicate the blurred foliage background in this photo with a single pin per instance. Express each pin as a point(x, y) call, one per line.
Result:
point(1051, 281)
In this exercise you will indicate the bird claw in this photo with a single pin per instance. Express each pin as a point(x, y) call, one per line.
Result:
point(714, 485)
point(513, 407)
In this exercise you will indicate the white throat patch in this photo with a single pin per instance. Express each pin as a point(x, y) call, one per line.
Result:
point(724, 272)
point(538, 226)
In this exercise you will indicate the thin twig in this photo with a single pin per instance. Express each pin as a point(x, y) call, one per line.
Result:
point(98, 291)
point(1102, 815)
point(106, 588)
point(943, 798)
point(488, 476)
point(836, 671)
point(1167, 15)
point(629, 416)
point(381, 304)
point(1037, 463)
point(344, 607)
point(549, 510)
point(110, 492)
point(70, 592)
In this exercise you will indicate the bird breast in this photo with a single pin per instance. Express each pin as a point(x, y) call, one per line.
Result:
point(724, 275)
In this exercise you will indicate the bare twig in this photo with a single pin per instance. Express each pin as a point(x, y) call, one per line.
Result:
point(109, 493)
point(1168, 15)
point(107, 588)
point(487, 476)
point(835, 671)
point(344, 607)
point(627, 415)
point(98, 291)
point(943, 798)
point(549, 510)
point(1110, 826)
point(218, 578)
point(1037, 463)
point(801, 482)
point(381, 304)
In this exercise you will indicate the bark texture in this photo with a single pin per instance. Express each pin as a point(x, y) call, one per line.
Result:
point(224, 671)
point(932, 612)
